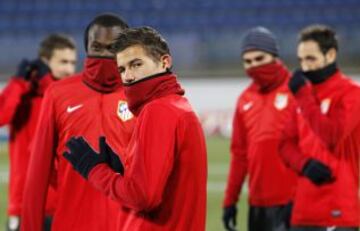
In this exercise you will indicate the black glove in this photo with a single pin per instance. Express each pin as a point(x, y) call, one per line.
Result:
point(82, 157)
point(39, 69)
point(317, 172)
point(110, 156)
point(297, 80)
point(24, 70)
point(229, 218)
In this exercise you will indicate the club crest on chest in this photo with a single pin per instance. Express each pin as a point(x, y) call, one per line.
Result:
point(281, 101)
point(325, 106)
point(123, 111)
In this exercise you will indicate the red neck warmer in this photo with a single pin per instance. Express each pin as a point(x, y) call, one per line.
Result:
point(269, 76)
point(145, 90)
point(101, 74)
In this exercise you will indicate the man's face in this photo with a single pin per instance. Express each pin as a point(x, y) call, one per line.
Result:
point(62, 63)
point(311, 58)
point(256, 58)
point(100, 40)
point(135, 64)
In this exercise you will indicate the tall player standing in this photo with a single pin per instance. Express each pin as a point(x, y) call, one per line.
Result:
point(323, 137)
point(92, 104)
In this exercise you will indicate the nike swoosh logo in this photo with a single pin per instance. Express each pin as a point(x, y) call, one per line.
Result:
point(74, 108)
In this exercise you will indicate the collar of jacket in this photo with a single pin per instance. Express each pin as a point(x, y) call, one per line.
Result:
point(331, 83)
point(141, 92)
point(321, 75)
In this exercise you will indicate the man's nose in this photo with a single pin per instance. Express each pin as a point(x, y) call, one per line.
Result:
point(128, 76)
point(305, 67)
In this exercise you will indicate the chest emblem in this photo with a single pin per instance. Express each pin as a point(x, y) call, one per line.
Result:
point(123, 111)
point(325, 106)
point(281, 101)
point(247, 106)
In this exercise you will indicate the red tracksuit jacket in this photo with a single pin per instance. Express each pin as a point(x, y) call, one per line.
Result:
point(72, 108)
point(165, 178)
point(326, 127)
point(19, 108)
point(257, 131)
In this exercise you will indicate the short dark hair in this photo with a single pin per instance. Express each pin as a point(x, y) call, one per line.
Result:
point(151, 40)
point(53, 42)
point(323, 35)
point(105, 20)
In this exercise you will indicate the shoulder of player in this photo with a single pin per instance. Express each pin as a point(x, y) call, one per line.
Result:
point(246, 95)
point(65, 84)
point(351, 92)
point(169, 107)
point(346, 86)
point(173, 114)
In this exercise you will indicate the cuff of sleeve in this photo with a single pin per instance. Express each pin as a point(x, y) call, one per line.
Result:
point(228, 202)
point(14, 211)
point(302, 163)
point(97, 171)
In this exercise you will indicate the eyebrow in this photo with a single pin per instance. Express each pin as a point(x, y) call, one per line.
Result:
point(130, 63)
point(134, 60)
point(255, 57)
point(95, 42)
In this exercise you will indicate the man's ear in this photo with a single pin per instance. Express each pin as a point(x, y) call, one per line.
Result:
point(166, 61)
point(331, 55)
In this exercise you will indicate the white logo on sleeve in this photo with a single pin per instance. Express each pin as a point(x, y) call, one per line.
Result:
point(247, 106)
point(71, 109)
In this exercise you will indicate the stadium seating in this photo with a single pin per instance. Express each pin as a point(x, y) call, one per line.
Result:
point(29, 19)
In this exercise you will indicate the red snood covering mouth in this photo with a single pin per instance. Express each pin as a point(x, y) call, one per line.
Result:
point(268, 76)
point(101, 74)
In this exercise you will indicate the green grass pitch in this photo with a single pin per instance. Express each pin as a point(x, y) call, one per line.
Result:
point(218, 160)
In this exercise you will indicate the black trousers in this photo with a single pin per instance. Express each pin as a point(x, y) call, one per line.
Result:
point(306, 228)
point(275, 218)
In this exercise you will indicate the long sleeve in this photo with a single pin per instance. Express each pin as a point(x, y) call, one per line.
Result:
point(289, 147)
point(340, 120)
point(10, 98)
point(142, 186)
point(239, 162)
point(40, 165)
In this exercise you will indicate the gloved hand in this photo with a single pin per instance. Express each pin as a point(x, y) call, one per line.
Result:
point(229, 217)
point(39, 69)
point(24, 70)
point(82, 157)
point(297, 80)
point(110, 156)
point(317, 172)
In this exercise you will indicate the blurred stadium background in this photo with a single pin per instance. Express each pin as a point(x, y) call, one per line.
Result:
point(204, 36)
